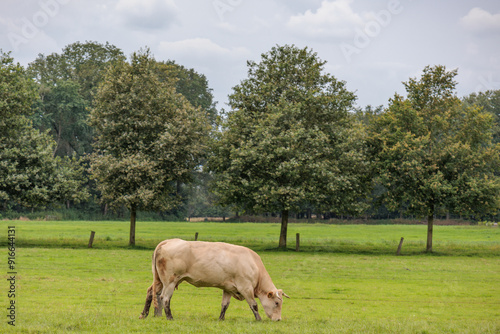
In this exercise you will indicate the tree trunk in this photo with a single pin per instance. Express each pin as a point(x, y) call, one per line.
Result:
point(132, 225)
point(284, 228)
point(58, 140)
point(430, 227)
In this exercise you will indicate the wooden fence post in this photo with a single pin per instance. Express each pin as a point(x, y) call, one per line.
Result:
point(91, 240)
point(196, 236)
point(399, 247)
point(297, 245)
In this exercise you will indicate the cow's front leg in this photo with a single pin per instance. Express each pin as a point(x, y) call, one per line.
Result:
point(255, 310)
point(248, 294)
point(226, 298)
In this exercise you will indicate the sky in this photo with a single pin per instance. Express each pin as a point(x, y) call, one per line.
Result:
point(372, 45)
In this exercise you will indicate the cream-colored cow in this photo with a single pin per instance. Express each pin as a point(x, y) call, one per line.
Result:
point(237, 270)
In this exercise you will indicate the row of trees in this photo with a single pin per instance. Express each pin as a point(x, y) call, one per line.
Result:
point(139, 133)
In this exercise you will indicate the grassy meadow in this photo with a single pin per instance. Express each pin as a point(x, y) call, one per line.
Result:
point(345, 279)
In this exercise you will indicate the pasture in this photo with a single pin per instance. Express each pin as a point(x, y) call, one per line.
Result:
point(345, 279)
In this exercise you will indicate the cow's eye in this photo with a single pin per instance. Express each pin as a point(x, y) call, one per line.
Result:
point(277, 304)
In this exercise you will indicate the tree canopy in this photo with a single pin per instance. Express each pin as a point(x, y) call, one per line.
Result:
point(192, 85)
point(17, 94)
point(63, 112)
point(83, 63)
point(489, 101)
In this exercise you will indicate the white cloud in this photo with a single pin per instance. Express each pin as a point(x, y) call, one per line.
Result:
point(199, 48)
point(331, 19)
point(480, 20)
point(149, 14)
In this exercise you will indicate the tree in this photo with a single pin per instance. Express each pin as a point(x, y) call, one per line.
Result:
point(148, 138)
point(431, 152)
point(29, 174)
point(289, 140)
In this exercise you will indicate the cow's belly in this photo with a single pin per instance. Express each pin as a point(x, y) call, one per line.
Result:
point(205, 275)
point(228, 286)
point(203, 283)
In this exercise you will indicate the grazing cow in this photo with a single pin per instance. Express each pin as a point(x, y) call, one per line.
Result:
point(237, 270)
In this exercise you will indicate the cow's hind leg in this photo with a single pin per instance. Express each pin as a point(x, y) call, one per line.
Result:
point(149, 299)
point(159, 307)
point(166, 297)
point(226, 298)
point(159, 303)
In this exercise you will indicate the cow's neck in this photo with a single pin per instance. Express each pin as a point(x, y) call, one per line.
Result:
point(265, 285)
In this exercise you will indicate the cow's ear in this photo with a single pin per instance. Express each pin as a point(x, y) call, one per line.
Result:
point(270, 294)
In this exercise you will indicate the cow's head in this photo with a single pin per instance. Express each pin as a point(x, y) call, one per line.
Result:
point(272, 304)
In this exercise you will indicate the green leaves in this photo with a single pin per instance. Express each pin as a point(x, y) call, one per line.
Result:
point(63, 112)
point(17, 93)
point(67, 83)
point(30, 176)
point(284, 143)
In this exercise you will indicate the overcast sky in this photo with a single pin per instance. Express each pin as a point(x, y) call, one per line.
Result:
point(373, 45)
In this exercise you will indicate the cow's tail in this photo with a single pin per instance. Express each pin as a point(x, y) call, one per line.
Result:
point(156, 280)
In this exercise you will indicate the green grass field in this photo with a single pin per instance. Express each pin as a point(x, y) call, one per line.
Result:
point(345, 279)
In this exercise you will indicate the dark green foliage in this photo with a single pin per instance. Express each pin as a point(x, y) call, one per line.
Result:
point(83, 63)
point(29, 174)
point(490, 102)
point(192, 85)
point(67, 84)
point(17, 93)
point(63, 112)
